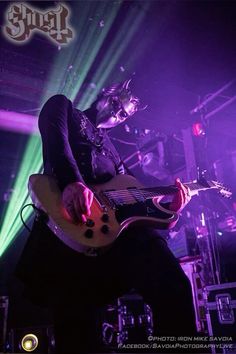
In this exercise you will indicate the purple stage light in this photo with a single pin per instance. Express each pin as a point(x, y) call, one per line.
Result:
point(18, 122)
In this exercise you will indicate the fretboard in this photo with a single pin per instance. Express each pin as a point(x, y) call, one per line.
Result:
point(129, 195)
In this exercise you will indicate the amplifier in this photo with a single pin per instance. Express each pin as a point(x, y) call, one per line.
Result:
point(193, 268)
point(221, 315)
point(128, 320)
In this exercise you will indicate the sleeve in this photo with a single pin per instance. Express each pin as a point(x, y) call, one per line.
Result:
point(53, 126)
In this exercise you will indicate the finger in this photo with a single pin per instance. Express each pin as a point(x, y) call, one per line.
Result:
point(186, 194)
point(185, 191)
point(179, 183)
point(84, 203)
point(182, 196)
point(79, 212)
point(69, 206)
point(90, 198)
point(72, 213)
point(90, 201)
point(83, 218)
point(180, 193)
point(188, 197)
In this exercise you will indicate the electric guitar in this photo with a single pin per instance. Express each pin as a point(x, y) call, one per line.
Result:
point(117, 205)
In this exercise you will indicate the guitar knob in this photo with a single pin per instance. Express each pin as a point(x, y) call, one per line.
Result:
point(105, 229)
point(90, 223)
point(105, 218)
point(88, 233)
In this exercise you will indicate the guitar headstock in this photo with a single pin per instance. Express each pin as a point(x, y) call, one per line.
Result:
point(202, 184)
point(224, 191)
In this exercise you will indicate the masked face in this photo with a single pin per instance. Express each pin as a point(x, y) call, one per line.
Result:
point(113, 110)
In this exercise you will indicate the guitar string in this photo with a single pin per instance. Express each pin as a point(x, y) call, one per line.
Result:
point(136, 191)
point(128, 196)
point(124, 192)
point(151, 191)
point(134, 195)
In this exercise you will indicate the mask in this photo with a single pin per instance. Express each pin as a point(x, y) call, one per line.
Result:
point(115, 105)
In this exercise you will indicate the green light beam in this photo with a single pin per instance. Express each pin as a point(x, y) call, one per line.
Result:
point(115, 51)
point(68, 55)
point(32, 160)
point(81, 58)
point(92, 51)
point(11, 223)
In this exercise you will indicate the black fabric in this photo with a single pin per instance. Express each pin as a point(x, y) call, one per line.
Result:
point(76, 287)
point(73, 149)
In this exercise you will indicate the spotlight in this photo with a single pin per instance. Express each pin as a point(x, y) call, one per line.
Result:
point(198, 129)
point(29, 342)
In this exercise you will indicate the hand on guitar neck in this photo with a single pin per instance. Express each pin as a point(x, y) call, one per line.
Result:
point(77, 199)
point(181, 198)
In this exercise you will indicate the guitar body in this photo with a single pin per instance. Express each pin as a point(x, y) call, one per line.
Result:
point(107, 219)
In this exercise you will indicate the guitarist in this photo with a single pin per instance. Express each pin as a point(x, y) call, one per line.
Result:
point(77, 152)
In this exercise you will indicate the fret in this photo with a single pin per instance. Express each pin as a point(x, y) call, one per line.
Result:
point(194, 185)
point(137, 194)
point(164, 190)
point(126, 196)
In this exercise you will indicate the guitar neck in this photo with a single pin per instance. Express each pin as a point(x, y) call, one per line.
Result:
point(125, 190)
point(131, 194)
point(194, 187)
